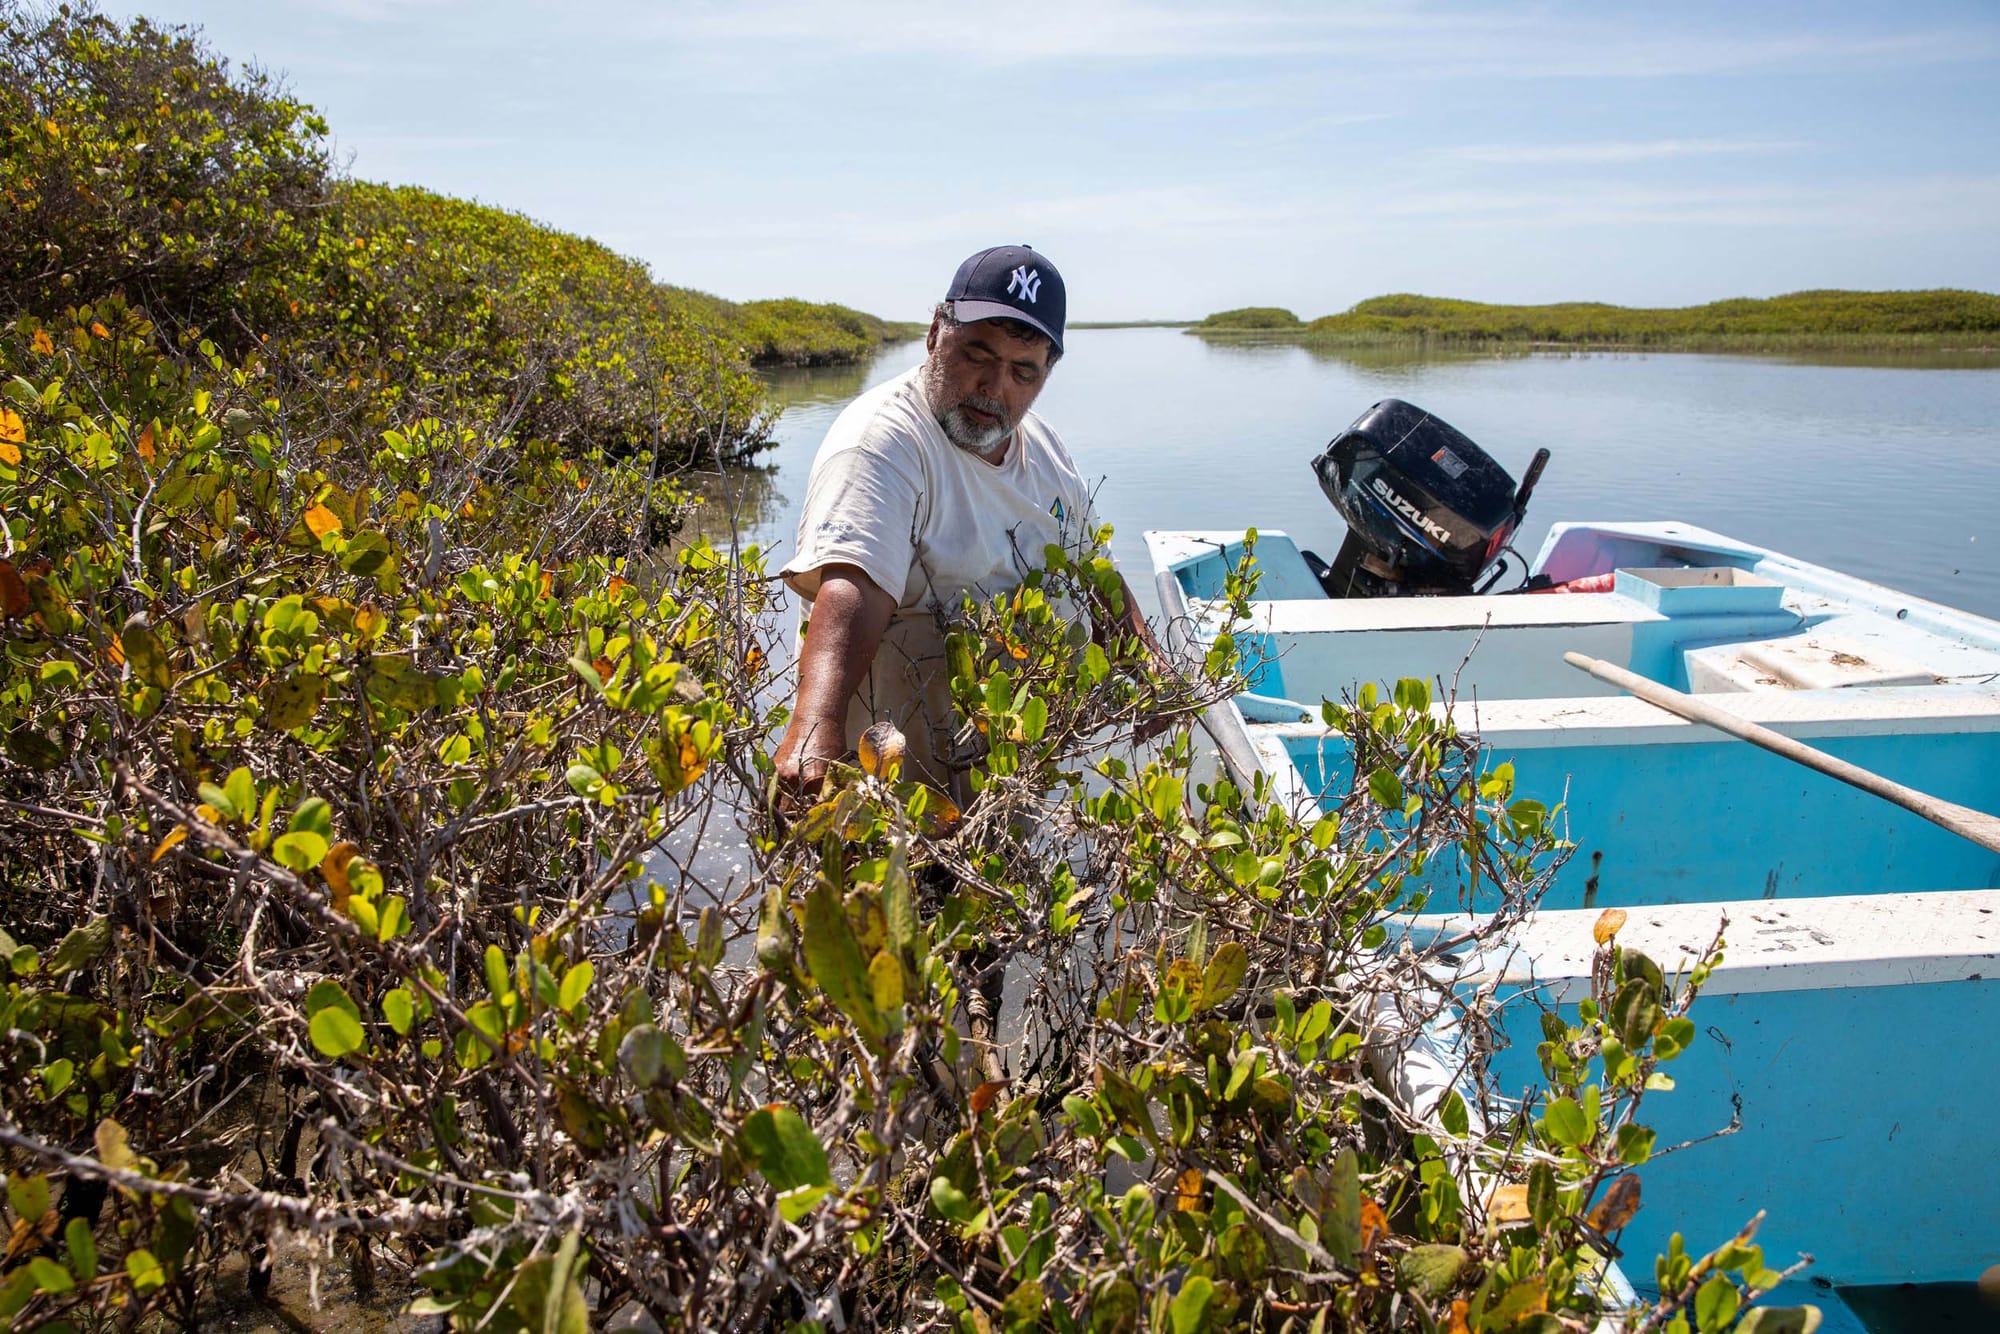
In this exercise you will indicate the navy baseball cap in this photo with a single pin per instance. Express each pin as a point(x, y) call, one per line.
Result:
point(1010, 282)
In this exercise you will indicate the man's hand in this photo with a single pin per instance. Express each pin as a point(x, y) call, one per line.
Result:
point(805, 751)
point(849, 614)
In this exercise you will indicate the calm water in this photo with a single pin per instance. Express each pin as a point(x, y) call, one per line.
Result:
point(1888, 472)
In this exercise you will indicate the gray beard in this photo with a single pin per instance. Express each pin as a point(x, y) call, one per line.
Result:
point(961, 431)
point(959, 428)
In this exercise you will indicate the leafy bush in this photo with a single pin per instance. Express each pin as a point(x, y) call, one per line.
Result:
point(332, 776)
point(364, 756)
point(1836, 316)
point(802, 333)
point(1251, 317)
point(137, 164)
point(133, 161)
point(438, 305)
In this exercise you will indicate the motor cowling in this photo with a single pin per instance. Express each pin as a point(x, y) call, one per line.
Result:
point(1427, 510)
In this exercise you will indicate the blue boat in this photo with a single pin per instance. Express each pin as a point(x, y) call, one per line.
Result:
point(1854, 1025)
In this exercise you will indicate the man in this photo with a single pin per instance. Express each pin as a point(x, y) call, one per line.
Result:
point(939, 483)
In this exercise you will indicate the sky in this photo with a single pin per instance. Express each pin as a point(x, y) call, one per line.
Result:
point(1175, 159)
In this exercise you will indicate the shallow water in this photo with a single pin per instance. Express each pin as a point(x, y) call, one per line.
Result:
point(1889, 471)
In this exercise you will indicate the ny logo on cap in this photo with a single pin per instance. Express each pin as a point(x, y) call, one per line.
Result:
point(1027, 280)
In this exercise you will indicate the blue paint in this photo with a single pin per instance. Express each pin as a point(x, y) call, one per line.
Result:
point(1707, 821)
point(1878, 1189)
point(1867, 1112)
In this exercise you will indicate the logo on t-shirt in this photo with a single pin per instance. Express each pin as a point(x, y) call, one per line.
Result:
point(1056, 508)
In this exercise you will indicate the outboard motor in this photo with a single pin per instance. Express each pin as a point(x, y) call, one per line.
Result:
point(1427, 511)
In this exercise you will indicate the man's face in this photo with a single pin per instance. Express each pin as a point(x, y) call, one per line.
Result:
point(982, 380)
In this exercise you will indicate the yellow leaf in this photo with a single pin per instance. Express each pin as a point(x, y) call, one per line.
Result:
point(42, 343)
point(98, 328)
point(334, 868)
point(175, 837)
point(112, 1148)
point(1509, 1205)
point(320, 521)
point(940, 812)
point(690, 759)
point(11, 429)
point(145, 444)
point(208, 813)
point(880, 750)
point(1374, 1223)
point(1607, 926)
point(1187, 1191)
point(368, 622)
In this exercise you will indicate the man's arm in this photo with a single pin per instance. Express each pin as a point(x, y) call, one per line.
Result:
point(849, 615)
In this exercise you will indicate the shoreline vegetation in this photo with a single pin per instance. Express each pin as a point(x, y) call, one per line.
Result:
point(366, 711)
point(1939, 320)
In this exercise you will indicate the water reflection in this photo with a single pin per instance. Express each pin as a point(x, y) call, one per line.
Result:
point(736, 505)
point(796, 386)
point(1408, 355)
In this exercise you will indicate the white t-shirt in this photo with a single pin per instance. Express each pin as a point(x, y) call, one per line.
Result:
point(929, 522)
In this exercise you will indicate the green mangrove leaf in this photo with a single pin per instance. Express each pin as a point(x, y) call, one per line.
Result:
point(834, 957)
point(400, 1009)
point(145, 1272)
point(575, 984)
point(82, 1249)
point(1189, 1309)
point(1340, 1217)
point(1566, 1123)
point(1430, 1270)
point(1386, 789)
point(144, 653)
point(80, 947)
point(1715, 1304)
point(299, 851)
point(336, 1032)
point(401, 684)
point(643, 1053)
point(783, 1148)
point(292, 701)
point(1116, 1308)
point(28, 1197)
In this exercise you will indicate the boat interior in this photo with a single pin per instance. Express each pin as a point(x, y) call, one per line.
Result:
point(1661, 810)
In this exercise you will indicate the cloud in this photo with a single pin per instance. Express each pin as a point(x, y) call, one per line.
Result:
point(1401, 41)
point(381, 11)
point(1642, 150)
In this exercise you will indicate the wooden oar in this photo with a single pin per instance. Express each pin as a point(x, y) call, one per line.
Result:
point(1978, 826)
